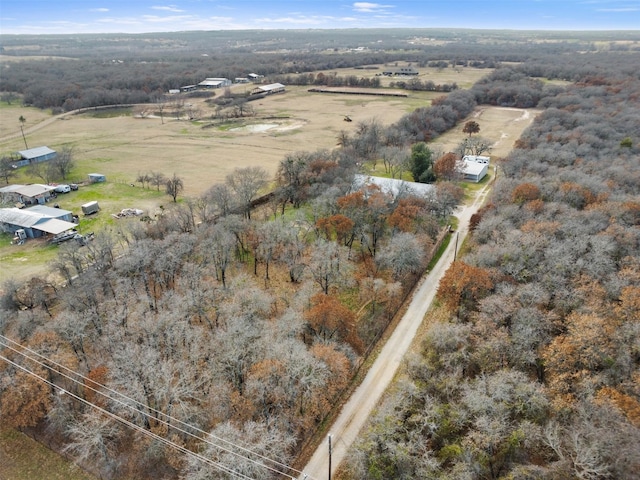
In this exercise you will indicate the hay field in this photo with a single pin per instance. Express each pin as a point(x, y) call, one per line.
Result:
point(123, 146)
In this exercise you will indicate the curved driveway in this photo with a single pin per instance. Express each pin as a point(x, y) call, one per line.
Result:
point(356, 411)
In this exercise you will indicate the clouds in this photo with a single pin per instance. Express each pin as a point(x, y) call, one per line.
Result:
point(367, 7)
point(140, 16)
point(168, 8)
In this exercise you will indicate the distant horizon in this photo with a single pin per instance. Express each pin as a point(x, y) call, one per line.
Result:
point(42, 17)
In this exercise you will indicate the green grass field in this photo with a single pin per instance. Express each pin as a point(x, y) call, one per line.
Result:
point(22, 458)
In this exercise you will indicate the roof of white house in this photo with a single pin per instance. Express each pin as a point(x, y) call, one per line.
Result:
point(393, 186)
point(473, 168)
point(35, 152)
point(476, 158)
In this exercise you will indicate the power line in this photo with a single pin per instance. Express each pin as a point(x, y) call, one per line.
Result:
point(91, 382)
point(147, 415)
point(138, 428)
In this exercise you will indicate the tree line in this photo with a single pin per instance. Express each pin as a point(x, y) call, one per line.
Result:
point(139, 69)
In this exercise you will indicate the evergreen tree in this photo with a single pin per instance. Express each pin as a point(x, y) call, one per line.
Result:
point(422, 163)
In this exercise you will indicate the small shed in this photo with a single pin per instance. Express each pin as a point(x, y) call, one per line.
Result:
point(90, 208)
point(97, 178)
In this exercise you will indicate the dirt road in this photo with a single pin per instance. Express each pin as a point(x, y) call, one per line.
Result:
point(356, 411)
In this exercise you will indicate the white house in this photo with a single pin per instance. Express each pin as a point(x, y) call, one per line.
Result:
point(474, 171)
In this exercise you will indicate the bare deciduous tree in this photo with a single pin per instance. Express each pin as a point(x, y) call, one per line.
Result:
point(174, 185)
point(246, 183)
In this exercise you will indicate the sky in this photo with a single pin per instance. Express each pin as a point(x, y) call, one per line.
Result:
point(142, 16)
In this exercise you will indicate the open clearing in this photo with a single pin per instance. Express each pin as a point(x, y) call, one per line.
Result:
point(121, 146)
point(22, 458)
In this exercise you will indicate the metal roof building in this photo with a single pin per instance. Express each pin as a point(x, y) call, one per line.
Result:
point(268, 89)
point(35, 155)
point(214, 83)
point(36, 221)
point(393, 186)
point(27, 194)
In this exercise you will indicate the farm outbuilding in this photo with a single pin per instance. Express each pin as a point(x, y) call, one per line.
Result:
point(26, 194)
point(97, 178)
point(36, 221)
point(214, 83)
point(35, 155)
point(255, 78)
point(400, 71)
point(268, 89)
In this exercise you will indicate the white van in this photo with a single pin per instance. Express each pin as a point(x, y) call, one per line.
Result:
point(62, 189)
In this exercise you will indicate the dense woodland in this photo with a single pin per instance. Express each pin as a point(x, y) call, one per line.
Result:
point(248, 322)
point(531, 364)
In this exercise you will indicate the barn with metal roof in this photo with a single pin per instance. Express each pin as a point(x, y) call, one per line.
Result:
point(214, 83)
point(36, 221)
point(268, 89)
point(35, 155)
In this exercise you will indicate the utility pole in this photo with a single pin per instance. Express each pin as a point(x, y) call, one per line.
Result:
point(329, 438)
point(22, 122)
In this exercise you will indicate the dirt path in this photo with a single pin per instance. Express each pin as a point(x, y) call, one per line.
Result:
point(356, 411)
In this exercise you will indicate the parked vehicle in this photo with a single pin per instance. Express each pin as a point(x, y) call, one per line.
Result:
point(73, 186)
point(62, 188)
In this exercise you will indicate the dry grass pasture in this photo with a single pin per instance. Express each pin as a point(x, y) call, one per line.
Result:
point(121, 146)
point(502, 126)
